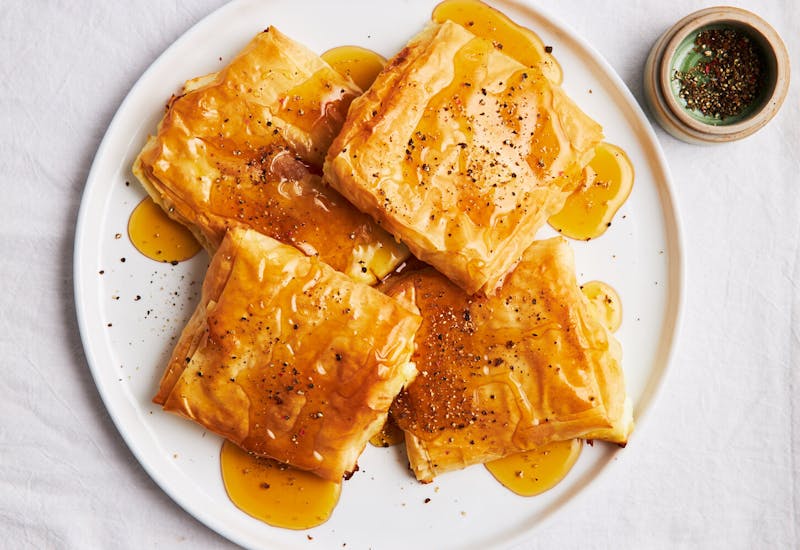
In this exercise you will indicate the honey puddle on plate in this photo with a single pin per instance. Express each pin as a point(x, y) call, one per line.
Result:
point(605, 303)
point(359, 64)
point(533, 472)
point(608, 180)
point(275, 493)
point(159, 237)
point(516, 41)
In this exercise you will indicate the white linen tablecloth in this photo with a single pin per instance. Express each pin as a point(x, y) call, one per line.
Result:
point(715, 465)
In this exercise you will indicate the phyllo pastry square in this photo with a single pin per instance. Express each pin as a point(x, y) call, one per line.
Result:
point(462, 153)
point(507, 373)
point(244, 147)
point(288, 358)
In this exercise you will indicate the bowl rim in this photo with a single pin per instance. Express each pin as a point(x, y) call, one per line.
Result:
point(774, 46)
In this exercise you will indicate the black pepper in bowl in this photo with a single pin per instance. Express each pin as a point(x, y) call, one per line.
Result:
point(727, 78)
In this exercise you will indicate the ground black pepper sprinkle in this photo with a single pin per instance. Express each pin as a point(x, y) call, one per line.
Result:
point(729, 76)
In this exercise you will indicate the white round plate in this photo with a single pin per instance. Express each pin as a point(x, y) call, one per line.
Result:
point(128, 339)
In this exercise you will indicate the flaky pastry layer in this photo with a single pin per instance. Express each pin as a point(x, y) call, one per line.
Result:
point(244, 147)
point(507, 373)
point(288, 358)
point(462, 153)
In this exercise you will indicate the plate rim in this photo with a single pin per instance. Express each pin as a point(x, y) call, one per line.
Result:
point(676, 268)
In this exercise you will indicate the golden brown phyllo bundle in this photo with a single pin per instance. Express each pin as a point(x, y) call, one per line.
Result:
point(457, 151)
point(509, 372)
point(244, 148)
point(289, 358)
point(462, 153)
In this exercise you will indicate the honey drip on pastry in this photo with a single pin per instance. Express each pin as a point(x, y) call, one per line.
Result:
point(314, 104)
point(358, 64)
point(518, 42)
point(607, 182)
point(159, 237)
point(278, 196)
point(390, 435)
point(534, 472)
point(463, 368)
point(276, 493)
point(605, 303)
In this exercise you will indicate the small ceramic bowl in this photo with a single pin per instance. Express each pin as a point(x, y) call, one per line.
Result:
point(674, 52)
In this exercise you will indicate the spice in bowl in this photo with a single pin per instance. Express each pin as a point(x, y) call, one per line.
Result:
point(725, 76)
point(717, 75)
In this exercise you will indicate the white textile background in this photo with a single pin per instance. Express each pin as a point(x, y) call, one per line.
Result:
point(716, 464)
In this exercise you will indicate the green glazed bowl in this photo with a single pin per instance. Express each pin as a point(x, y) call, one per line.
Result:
point(674, 52)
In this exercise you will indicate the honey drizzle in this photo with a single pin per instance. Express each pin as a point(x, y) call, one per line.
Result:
point(285, 208)
point(534, 472)
point(605, 303)
point(516, 41)
point(301, 106)
point(356, 63)
point(390, 435)
point(159, 237)
point(275, 493)
point(607, 183)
